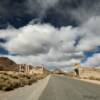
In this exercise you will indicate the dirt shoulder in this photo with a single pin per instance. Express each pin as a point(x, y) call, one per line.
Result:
point(91, 81)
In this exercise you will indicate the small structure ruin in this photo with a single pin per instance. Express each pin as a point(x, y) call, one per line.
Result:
point(38, 70)
point(25, 68)
point(28, 69)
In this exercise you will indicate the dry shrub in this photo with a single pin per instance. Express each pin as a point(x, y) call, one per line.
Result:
point(11, 81)
point(94, 78)
point(41, 76)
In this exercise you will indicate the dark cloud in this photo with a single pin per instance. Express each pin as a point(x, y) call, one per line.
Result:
point(2, 40)
point(57, 12)
point(11, 11)
point(10, 8)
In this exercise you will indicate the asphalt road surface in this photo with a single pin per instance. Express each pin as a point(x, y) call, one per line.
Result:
point(62, 88)
point(55, 88)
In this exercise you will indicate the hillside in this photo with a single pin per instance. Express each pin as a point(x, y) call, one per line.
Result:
point(7, 65)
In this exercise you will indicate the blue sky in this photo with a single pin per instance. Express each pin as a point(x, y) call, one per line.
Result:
point(50, 32)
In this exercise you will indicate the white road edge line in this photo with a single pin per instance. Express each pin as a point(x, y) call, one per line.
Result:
point(39, 89)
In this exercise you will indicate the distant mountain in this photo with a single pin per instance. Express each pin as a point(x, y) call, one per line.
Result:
point(7, 64)
point(58, 71)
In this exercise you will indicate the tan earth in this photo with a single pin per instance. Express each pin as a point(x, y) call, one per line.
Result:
point(91, 81)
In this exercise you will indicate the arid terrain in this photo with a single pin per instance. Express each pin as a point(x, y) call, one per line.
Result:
point(14, 75)
point(26, 82)
point(91, 75)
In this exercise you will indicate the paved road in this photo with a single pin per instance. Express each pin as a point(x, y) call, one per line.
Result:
point(62, 88)
point(55, 88)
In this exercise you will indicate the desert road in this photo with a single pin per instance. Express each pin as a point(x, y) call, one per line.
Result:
point(55, 88)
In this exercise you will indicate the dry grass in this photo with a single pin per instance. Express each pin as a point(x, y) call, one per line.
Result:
point(12, 80)
point(92, 78)
point(41, 76)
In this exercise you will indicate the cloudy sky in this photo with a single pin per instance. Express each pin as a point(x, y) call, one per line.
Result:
point(56, 33)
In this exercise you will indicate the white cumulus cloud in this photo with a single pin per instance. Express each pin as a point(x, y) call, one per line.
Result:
point(45, 44)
